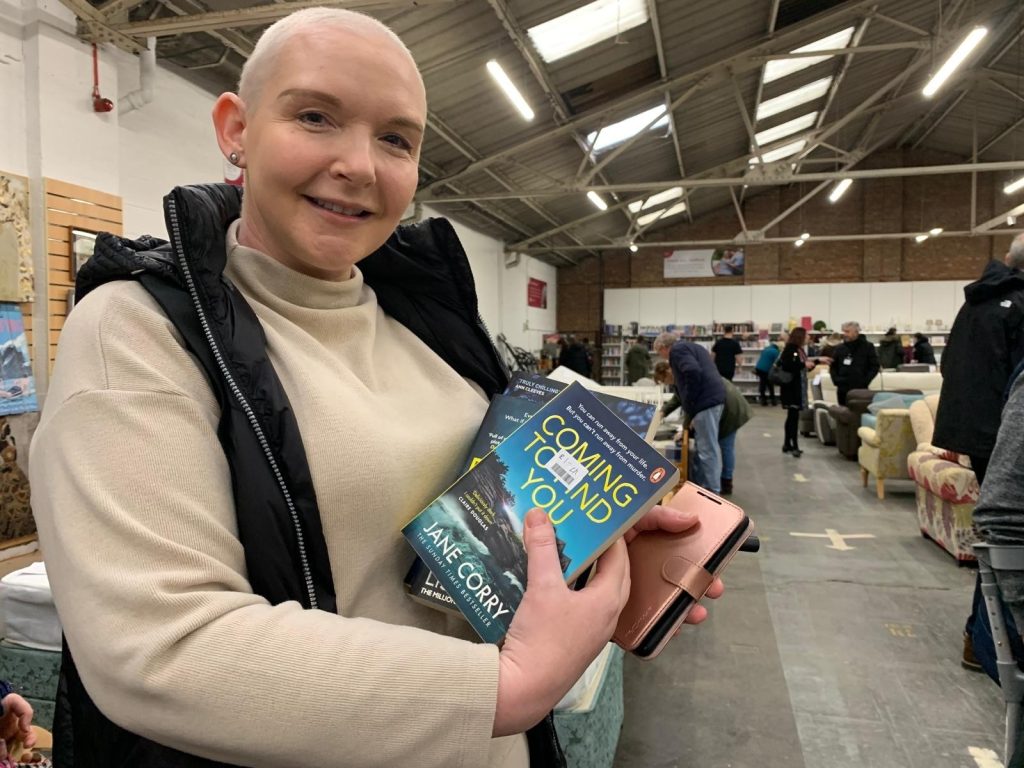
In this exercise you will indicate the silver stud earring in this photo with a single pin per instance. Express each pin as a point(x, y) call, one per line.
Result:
point(233, 158)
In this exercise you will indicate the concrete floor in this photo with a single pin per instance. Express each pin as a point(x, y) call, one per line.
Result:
point(816, 657)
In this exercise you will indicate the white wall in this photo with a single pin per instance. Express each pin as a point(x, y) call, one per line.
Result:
point(907, 305)
point(525, 326)
point(167, 143)
point(13, 138)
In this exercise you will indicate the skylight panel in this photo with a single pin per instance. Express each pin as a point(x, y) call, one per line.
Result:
point(771, 135)
point(647, 218)
point(794, 98)
point(616, 133)
point(778, 68)
point(778, 154)
point(656, 199)
point(586, 26)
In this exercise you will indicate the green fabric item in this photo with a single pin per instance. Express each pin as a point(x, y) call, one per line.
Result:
point(735, 414)
point(638, 363)
point(589, 739)
point(33, 673)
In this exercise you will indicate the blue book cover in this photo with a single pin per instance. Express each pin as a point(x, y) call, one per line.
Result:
point(572, 458)
point(640, 417)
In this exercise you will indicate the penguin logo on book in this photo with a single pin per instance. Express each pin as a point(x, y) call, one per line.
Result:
point(657, 474)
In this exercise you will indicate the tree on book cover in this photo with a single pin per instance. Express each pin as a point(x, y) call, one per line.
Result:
point(572, 458)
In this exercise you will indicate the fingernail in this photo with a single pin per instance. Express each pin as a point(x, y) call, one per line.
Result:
point(681, 515)
point(536, 518)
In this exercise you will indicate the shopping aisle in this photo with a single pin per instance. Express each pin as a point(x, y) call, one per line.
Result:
point(818, 657)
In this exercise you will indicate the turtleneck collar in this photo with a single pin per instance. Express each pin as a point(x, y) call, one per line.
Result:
point(262, 276)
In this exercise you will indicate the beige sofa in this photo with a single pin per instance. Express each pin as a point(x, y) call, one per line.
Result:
point(891, 381)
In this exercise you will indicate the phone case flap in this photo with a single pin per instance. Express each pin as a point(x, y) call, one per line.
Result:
point(689, 576)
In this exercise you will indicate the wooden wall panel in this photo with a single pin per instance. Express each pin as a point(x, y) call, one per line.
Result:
point(68, 207)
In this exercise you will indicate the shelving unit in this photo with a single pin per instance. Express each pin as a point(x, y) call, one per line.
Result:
point(613, 355)
point(938, 339)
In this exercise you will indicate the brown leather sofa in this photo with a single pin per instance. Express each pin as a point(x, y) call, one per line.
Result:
point(847, 417)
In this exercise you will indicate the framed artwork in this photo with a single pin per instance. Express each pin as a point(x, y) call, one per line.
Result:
point(83, 244)
point(15, 240)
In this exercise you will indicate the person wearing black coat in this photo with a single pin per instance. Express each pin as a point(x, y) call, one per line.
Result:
point(985, 344)
point(890, 350)
point(923, 352)
point(854, 362)
point(574, 356)
point(793, 393)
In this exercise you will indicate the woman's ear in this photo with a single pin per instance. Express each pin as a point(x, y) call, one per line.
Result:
point(229, 124)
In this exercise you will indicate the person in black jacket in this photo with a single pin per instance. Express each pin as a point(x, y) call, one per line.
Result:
point(985, 345)
point(923, 352)
point(575, 357)
point(702, 394)
point(854, 362)
point(890, 349)
point(793, 394)
point(231, 521)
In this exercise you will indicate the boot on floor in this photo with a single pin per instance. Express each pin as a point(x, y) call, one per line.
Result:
point(726, 486)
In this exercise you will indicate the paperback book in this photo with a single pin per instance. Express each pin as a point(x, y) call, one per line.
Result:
point(573, 458)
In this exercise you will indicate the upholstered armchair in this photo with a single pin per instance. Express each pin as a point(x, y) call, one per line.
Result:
point(946, 487)
point(847, 420)
point(884, 449)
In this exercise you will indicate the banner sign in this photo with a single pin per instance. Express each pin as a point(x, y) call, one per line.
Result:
point(537, 293)
point(704, 263)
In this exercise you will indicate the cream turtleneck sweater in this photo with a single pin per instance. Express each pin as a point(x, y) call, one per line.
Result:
point(132, 496)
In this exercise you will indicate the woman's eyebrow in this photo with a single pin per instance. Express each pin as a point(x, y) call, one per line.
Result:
point(308, 93)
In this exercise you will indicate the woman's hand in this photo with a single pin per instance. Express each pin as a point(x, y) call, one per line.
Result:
point(668, 518)
point(16, 723)
point(556, 631)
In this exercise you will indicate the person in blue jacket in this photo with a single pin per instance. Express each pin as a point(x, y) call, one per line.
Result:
point(15, 717)
point(702, 396)
point(765, 388)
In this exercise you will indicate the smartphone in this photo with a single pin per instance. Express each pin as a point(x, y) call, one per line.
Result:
point(670, 572)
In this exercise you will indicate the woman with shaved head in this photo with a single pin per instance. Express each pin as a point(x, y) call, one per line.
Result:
point(239, 423)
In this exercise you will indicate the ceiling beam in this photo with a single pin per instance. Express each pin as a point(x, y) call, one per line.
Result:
point(902, 25)
point(934, 124)
point(909, 45)
point(672, 244)
point(112, 8)
point(772, 176)
point(659, 43)
point(451, 137)
point(1001, 135)
point(719, 71)
point(252, 16)
point(99, 31)
point(995, 221)
point(540, 74)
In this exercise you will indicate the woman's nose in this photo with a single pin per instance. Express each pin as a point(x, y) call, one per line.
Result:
point(354, 160)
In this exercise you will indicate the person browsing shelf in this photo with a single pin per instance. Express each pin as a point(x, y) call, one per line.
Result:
point(240, 421)
point(765, 361)
point(725, 351)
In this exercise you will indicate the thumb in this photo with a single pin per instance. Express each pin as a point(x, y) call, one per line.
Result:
point(543, 568)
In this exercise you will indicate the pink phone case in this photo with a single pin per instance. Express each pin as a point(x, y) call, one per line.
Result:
point(670, 572)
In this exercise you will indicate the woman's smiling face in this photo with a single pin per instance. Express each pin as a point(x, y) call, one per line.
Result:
point(330, 149)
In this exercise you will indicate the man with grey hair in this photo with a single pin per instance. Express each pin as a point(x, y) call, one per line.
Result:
point(702, 395)
point(985, 345)
point(854, 362)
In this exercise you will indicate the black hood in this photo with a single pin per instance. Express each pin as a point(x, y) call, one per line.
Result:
point(997, 280)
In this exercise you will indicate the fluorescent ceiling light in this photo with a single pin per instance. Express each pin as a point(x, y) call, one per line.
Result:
point(935, 231)
point(510, 89)
point(647, 218)
point(657, 199)
point(585, 26)
point(805, 236)
point(794, 98)
point(1013, 186)
point(920, 238)
point(951, 64)
point(763, 138)
point(777, 68)
point(798, 242)
point(597, 201)
point(839, 190)
point(633, 248)
point(1011, 220)
point(777, 154)
point(616, 133)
